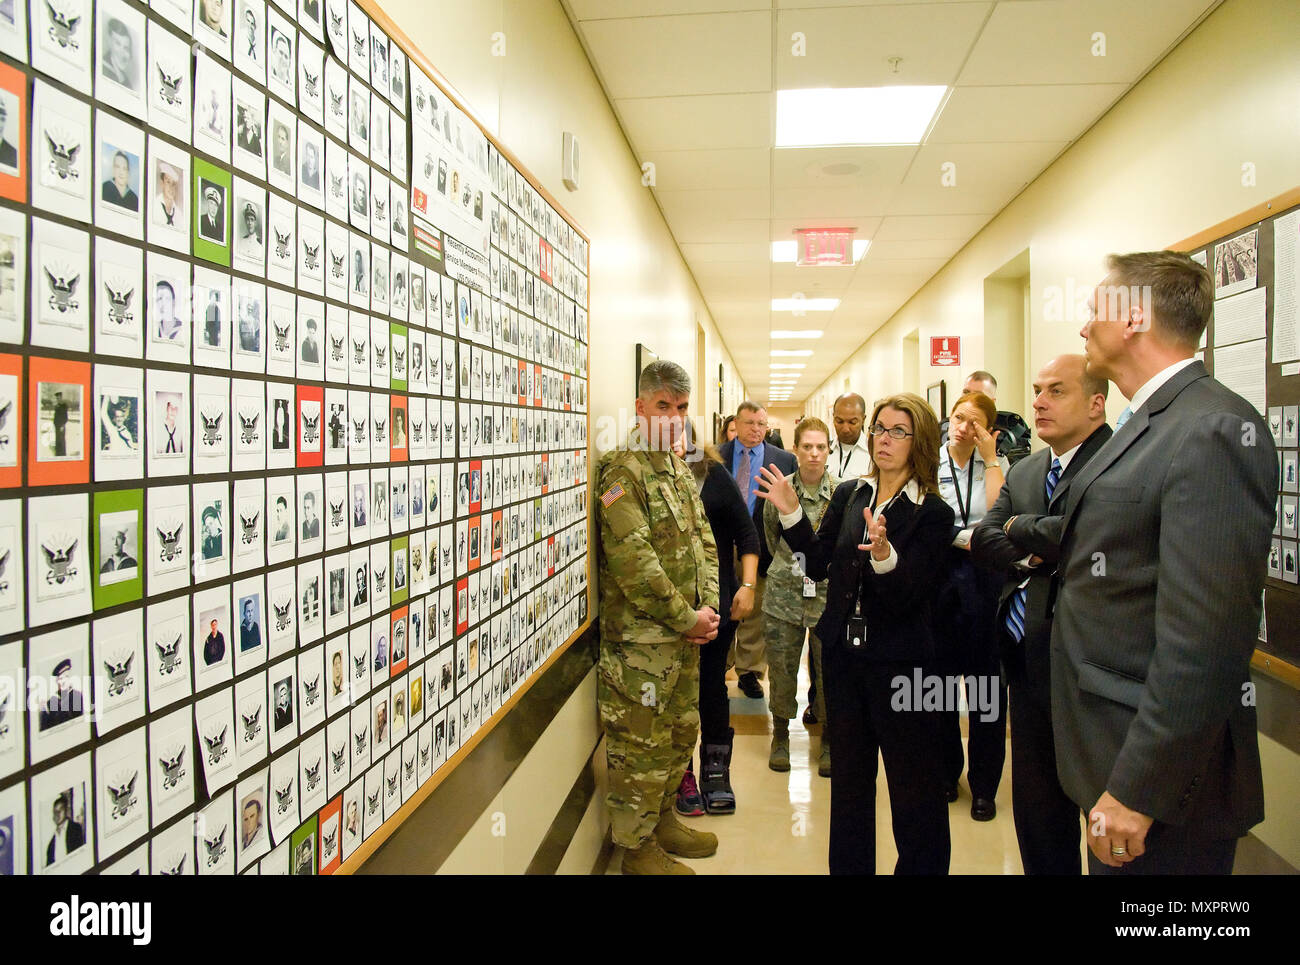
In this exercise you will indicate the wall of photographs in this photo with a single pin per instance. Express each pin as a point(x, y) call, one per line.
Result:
point(293, 434)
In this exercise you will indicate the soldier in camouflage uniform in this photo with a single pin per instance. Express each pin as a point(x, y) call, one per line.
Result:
point(788, 610)
point(658, 605)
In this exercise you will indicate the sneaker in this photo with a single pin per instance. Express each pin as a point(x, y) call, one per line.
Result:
point(689, 802)
point(651, 859)
point(749, 685)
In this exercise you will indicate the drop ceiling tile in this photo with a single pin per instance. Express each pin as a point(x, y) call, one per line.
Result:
point(1050, 112)
point(723, 205)
point(701, 228)
point(696, 254)
point(694, 170)
point(987, 176)
point(840, 168)
point(613, 9)
point(1053, 41)
point(712, 53)
point(852, 46)
point(705, 122)
point(958, 227)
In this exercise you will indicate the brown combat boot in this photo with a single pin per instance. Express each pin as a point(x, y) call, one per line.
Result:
point(650, 859)
point(677, 838)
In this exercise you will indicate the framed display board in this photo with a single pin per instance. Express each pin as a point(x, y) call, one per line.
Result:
point(1252, 345)
point(293, 434)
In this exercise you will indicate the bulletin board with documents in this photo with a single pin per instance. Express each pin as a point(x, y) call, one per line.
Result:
point(293, 434)
point(1252, 346)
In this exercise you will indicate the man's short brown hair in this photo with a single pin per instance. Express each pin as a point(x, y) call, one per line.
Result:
point(1181, 291)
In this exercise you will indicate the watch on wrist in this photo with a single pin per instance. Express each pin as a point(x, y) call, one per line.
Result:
point(750, 585)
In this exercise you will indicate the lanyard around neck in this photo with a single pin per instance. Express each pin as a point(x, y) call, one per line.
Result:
point(970, 486)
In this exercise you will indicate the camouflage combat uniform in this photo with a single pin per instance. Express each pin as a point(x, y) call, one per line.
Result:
point(785, 608)
point(658, 565)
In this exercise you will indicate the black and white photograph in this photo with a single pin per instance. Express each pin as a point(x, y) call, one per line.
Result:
point(212, 25)
point(212, 219)
point(359, 297)
point(58, 692)
point(248, 44)
point(63, 832)
point(213, 650)
point(168, 289)
point(252, 819)
point(282, 64)
point(359, 119)
point(120, 50)
point(13, 32)
point(213, 319)
point(119, 547)
point(250, 232)
point(311, 161)
point(250, 325)
point(282, 131)
point(249, 152)
point(60, 421)
point(212, 524)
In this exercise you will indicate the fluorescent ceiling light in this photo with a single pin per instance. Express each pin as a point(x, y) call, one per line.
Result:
point(793, 353)
point(785, 252)
point(787, 365)
point(805, 304)
point(819, 116)
point(795, 333)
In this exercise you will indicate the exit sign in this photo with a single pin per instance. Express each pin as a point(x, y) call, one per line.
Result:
point(945, 350)
point(824, 246)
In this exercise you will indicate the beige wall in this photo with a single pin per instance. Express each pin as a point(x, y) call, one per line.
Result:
point(1163, 164)
point(543, 86)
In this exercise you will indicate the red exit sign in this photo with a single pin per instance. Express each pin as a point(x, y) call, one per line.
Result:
point(824, 246)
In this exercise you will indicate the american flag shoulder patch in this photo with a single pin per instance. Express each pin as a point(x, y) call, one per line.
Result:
point(612, 495)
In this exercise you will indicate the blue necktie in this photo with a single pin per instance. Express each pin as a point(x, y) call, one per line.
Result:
point(1123, 418)
point(1016, 614)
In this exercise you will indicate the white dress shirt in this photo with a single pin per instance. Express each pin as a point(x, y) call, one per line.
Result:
point(912, 491)
point(1152, 385)
point(850, 462)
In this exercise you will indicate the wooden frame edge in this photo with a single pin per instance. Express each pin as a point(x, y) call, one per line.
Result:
point(1259, 212)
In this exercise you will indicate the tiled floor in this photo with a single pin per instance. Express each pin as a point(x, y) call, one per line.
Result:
point(782, 821)
point(781, 824)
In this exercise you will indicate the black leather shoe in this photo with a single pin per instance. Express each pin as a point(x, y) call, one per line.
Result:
point(749, 685)
point(951, 793)
point(982, 809)
point(809, 716)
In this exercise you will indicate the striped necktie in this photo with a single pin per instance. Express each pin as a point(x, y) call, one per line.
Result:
point(1015, 621)
point(742, 477)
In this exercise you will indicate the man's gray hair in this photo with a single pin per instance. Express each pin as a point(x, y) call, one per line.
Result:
point(663, 376)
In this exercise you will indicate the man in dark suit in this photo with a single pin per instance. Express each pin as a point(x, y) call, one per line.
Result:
point(68, 834)
point(744, 456)
point(1163, 547)
point(1070, 415)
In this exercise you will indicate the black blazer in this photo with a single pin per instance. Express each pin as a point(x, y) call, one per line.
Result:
point(787, 464)
point(733, 530)
point(896, 604)
point(1025, 494)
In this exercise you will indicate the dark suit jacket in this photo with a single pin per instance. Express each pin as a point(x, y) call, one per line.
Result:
point(733, 530)
point(1163, 558)
point(787, 464)
point(74, 836)
point(896, 604)
point(1025, 492)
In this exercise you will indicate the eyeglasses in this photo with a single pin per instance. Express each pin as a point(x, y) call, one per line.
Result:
point(897, 432)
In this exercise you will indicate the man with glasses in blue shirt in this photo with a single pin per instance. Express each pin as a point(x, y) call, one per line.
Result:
point(744, 456)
